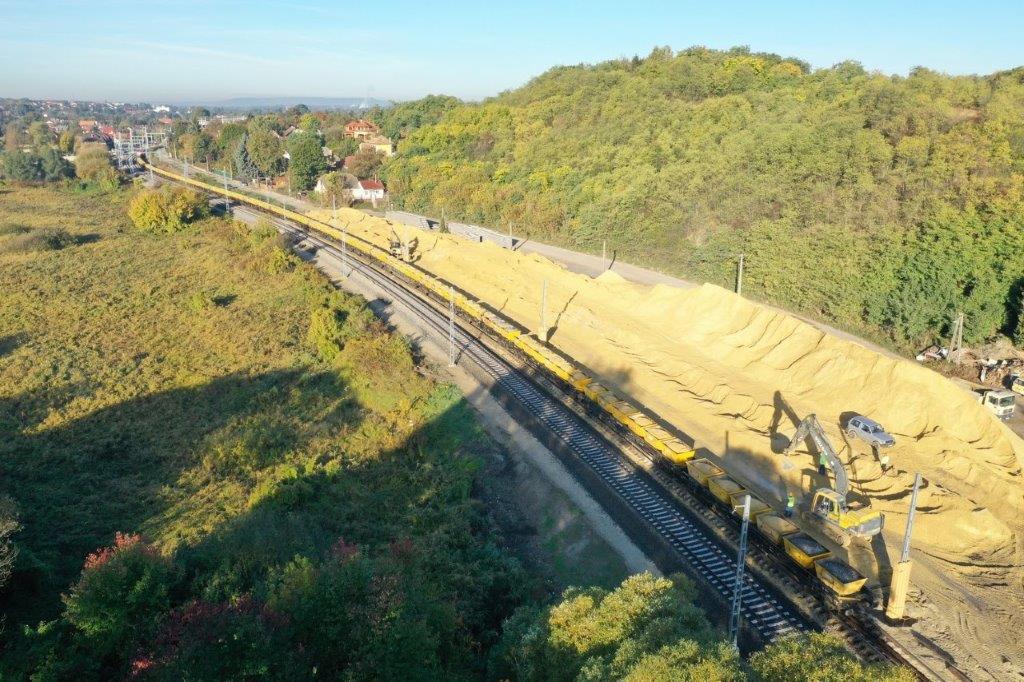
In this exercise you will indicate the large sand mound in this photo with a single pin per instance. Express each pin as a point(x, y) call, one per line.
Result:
point(735, 375)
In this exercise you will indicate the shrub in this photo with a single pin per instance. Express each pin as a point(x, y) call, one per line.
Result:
point(9, 229)
point(168, 209)
point(121, 595)
point(47, 239)
point(200, 300)
point(818, 657)
point(92, 165)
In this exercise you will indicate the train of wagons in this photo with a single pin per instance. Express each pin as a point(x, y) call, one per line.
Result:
point(843, 585)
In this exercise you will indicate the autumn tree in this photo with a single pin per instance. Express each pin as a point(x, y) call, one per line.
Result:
point(93, 165)
point(167, 209)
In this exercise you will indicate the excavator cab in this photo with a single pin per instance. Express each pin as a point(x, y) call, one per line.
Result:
point(840, 522)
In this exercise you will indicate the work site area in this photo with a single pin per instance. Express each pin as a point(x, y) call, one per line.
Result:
point(799, 417)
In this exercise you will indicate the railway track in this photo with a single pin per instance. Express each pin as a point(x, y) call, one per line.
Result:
point(699, 537)
point(764, 613)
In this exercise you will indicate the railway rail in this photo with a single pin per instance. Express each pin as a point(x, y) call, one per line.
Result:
point(777, 600)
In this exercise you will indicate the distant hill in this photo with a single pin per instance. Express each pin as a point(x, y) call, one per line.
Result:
point(887, 204)
point(251, 103)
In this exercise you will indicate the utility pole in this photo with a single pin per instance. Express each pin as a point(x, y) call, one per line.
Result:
point(542, 331)
point(737, 588)
point(451, 326)
point(739, 276)
point(227, 202)
point(604, 250)
point(956, 341)
point(897, 604)
point(334, 207)
point(186, 168)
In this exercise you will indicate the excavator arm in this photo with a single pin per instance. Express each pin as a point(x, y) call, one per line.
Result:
point(811, 427)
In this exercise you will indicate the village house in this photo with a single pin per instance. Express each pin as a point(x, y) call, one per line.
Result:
point(88, 124)
point(378, 143)
point(368, 190)
point(361, 129)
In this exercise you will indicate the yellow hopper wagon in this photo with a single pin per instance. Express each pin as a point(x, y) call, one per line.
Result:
point(805, 550)
point(775, 527)
point(839, 577)
point(702, 469)
point(757, 506)
point(723, 488)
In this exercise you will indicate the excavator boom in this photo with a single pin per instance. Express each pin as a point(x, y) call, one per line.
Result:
point(811, 427)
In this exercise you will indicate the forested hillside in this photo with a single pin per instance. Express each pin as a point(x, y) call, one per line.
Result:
point(884, 203)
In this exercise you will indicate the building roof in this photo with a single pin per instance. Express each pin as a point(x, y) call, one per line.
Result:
point(361, 124)
point(377, 140)
point(371, 184)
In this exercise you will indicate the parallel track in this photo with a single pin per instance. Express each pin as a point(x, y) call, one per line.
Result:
point(647, 493)
point(766, 615)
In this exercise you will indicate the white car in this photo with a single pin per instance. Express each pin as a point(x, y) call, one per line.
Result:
point(869, 431)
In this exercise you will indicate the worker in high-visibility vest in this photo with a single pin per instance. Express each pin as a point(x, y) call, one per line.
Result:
point(790, 505)
point(823, 464)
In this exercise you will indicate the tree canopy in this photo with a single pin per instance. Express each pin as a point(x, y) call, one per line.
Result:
point(882, 202)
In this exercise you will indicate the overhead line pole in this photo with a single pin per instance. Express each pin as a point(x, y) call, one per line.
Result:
point(737, 589)
point(739, 276)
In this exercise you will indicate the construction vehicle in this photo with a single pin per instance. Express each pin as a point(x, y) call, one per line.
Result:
point(840, 521)
point(998, 401)
point(1017, 383)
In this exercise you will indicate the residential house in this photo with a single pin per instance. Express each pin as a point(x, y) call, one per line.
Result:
point(88, 124)
point(378, 143)
point(361, 129)
point(368, 190)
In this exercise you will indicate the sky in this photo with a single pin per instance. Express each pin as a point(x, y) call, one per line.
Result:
point(190, 50)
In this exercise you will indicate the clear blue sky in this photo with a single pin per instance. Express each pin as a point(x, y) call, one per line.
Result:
point(160, 50)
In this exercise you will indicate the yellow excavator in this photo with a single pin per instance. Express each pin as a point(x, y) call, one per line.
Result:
point(840, 521)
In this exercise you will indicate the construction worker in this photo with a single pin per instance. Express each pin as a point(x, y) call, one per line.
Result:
point(823, 464)
point(790, 505)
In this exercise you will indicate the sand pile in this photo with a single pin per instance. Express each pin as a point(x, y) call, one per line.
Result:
point(735, 375)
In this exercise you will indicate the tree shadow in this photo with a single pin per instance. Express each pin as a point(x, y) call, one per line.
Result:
point(119, 466)
point(415, 502)
point(11, 342)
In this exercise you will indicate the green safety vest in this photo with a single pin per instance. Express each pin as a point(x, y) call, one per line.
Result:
point(823, 460)
point(790, 501)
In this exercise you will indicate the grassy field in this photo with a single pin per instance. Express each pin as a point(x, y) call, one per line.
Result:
point(206, 390)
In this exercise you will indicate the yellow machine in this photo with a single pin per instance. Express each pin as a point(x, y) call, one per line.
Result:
point(839, 520)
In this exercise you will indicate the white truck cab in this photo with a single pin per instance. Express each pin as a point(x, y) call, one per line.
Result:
point(998, 401)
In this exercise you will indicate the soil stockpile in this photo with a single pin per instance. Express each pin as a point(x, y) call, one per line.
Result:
point(738, 377)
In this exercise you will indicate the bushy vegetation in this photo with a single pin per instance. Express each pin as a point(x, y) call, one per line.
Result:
point(93, 166)
point(274, 492)
point(649, 629)
point(167, 209)
point(883, 203)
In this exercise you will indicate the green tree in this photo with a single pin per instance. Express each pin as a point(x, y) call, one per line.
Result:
point(22, 166)
point(819, 657)
point(121, 596)
point(54, 166)
point(39, 135)
point(243, 166)
point(265, 151)
point(647, 628)
point(306, 162)
point(9, 526)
